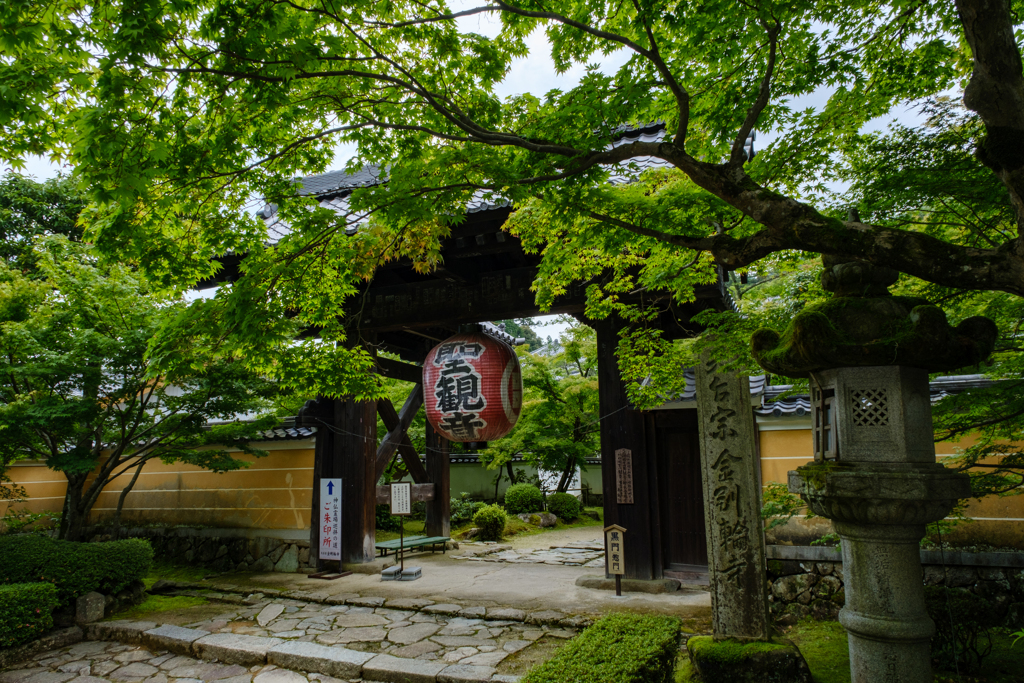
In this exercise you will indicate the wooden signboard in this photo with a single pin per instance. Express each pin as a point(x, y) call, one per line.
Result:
point(624, 476)
point(615, 549)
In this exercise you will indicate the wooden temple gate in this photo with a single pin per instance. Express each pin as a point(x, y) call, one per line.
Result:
point(486, 275)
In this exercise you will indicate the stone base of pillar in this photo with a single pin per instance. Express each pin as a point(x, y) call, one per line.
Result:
point(731, 660)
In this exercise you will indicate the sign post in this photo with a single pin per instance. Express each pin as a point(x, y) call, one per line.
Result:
point(329, 544)
point(615, 554)
point(401, 506)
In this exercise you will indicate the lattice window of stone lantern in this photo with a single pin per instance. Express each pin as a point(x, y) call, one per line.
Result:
point(824, 424)
point(869, 408)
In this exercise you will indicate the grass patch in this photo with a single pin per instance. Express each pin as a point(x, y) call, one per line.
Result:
point(826, 649)
point(413, 527)
point(158, 603)
point(174, 572)
point(513, 527)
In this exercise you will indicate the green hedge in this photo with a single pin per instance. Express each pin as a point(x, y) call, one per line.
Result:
point(620, 648)
point(522, 498)
point(490, 519)
point(26, 612)
point(565, 506)
point(74, 568)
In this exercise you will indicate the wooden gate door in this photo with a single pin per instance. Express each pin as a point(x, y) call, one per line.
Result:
point(684, 543)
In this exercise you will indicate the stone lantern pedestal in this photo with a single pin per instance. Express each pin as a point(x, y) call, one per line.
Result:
point(868, 355)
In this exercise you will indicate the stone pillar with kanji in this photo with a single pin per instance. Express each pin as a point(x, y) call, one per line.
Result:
point(732, 505)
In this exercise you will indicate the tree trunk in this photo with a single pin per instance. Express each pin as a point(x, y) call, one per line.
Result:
point(566, 479)
point(72, 518)
point(123, 496)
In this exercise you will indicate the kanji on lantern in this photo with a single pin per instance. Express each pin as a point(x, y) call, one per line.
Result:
point(474, 388)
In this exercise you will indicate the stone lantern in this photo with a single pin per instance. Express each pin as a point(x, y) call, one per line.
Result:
point(867, 355)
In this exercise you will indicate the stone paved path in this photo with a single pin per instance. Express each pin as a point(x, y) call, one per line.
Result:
point(578, 554)
point(401, 639)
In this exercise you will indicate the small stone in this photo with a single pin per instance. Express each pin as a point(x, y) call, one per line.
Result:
point(351, 620)
point(486, 658)
point(444, 608)
point(353, 635)
point(133, 656)
point(279, 676)
point(506, 613)
point(269, 613)
point(157, 678)
point(90, 607)
point(137, 671)
point(103, 668)
point(473, 612)
point(415, 650)
point(515, 645)
point(459, 654)
point(19, 675)
point(79, 668)
point(412, 634)
point(408, 603)
point(366, 602)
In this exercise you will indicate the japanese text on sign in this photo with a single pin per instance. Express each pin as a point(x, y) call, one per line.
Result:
point(615, 549)
point(624, 476)
point(330, 519)
point(401, 499)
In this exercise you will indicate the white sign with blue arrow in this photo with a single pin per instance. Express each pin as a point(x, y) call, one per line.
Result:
point(330, 519)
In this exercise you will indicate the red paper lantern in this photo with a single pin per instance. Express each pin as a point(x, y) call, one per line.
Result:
point(472, 388)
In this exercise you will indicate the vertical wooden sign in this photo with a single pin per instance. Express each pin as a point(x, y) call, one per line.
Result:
point(615, 548)
point(624, 476)
point(330, 519)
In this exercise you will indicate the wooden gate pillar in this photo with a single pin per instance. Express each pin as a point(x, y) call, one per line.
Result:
point(355, 448)
point(623, 431)
point(439, 511)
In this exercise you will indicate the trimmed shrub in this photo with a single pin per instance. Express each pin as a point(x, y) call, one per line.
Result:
point(620, 648)
point(26, 612)
point(490, 519)
point(522, 498)
point(385, 520)
point(74, 568)
point(565, 506)
point(962, 627)
point(463, 509)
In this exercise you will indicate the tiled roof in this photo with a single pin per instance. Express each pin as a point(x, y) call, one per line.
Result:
point(800, 404)
point(288, 433)
point(334, 187)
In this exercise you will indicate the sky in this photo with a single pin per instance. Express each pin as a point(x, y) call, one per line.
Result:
point(536, 74)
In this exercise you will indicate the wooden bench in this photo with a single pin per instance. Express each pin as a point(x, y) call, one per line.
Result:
point(384, 547)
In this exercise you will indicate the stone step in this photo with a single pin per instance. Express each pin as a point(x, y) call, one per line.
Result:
point(335, 661)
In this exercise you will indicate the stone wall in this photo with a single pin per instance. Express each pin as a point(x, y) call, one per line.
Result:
point(204, 547)
point(807, 581)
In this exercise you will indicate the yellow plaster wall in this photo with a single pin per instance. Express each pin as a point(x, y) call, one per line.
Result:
point(998, 521)
point(274, 492)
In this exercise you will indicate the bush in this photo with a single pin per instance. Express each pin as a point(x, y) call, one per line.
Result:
point(385, 520)
point(564, 506)
point(463, 509)
point(620, 648)
point(962, 622)
point(490, 519)
point(74, 568)
point(522, 498)
point(26, 612)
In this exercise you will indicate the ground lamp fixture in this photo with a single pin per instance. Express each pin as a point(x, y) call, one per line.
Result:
point(868, 355)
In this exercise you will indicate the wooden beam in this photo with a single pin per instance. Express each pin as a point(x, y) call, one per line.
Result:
point(356, 424)
point(420, 493)
point(393, 369)
point(409, 455)
point(394, 436)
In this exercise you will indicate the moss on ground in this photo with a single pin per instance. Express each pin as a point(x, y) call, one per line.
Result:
point(825, 648)
point(174, 572)
point(728, 651)
point(513, 527)
point(159, 603)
